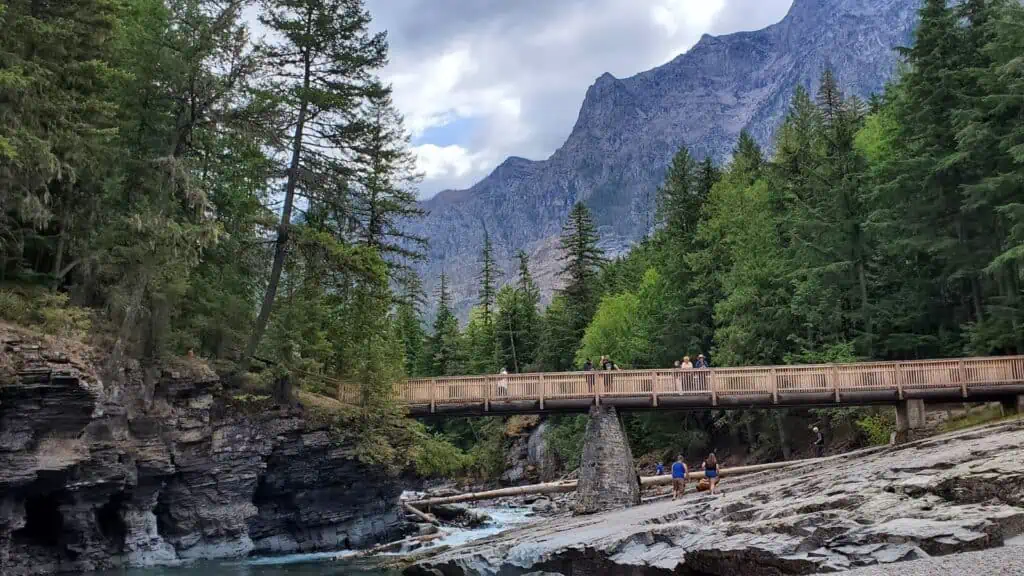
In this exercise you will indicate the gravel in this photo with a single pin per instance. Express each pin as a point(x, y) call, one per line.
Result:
point(1006, 561)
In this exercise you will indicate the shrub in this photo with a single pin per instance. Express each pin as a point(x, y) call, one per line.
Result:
point(877, 427)
point(436, 457)
point(44, 310)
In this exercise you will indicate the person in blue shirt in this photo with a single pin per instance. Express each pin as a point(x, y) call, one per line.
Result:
point(678, 477)
point(659, 469)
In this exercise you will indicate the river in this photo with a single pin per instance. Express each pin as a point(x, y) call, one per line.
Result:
point(328, 563)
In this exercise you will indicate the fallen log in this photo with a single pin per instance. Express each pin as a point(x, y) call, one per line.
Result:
point(570, 485)
point(548, 488)
point(429, 518)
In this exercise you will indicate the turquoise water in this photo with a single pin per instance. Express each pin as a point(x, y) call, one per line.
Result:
point(326, 563)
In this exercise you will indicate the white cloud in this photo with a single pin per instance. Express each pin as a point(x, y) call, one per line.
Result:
point(443, 162)
point(519, 70)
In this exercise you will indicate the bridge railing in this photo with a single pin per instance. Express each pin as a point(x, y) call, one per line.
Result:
point(965, 373)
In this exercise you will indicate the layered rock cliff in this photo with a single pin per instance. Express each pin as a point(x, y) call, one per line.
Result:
point(95, 475)
point(628, 130)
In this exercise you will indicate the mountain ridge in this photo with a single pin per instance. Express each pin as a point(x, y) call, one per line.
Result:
point(628, 129)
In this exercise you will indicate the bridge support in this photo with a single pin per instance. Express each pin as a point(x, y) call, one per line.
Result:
point(909, 416)
point(1013, 405)
point(608, 479)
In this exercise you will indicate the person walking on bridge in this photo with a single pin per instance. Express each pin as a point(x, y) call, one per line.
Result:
point(678, 477)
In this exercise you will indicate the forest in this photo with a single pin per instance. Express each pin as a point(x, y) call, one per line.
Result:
point(173, 185)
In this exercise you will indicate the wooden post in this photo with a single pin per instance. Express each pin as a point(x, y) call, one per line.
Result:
point(835, 380)
point(541, 378)
point(775, 386)
point(710, 375)
point(433, 395)
point(654, 390)
point(899, 380)
point(963, 380)
point(487, 394)
point(598, 384)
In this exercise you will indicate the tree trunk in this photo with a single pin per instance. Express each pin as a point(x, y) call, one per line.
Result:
point(281, 247)
point(865, 310)
point(127, 324)
point(58, 258)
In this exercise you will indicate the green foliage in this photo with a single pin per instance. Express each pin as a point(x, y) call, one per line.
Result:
point(877, 427)
point(582, 262)
point(436, 457)
point(622, 327)
point(565, 437)
point(45, 311)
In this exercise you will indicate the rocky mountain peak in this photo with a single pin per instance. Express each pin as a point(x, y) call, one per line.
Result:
point(628, 129)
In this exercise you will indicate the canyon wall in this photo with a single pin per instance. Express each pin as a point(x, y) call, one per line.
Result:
point(95, 475)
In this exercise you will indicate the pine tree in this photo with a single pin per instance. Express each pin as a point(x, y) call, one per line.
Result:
point(323, 68)
point(583, 260)
point(487, 278)
point(445, 342)
point(385, 194)
point(527, 302)
point(678, 201)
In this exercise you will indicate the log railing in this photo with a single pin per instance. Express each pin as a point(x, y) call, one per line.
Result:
point(771, 381)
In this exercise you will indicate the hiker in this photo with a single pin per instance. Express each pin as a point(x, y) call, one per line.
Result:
point(607, 365)
point(659, 469)
point(678, 477)
point(700, 364)
point(710, 467)
point(819, 443)
point(588, 366)
point(686, 379)
point(503, 382)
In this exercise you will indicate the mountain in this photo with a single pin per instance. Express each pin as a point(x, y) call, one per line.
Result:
point(629, 129)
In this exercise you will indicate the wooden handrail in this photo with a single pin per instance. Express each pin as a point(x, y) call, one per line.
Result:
point(769, 381)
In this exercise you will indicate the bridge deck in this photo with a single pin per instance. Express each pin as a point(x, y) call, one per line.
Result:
point(954, 380)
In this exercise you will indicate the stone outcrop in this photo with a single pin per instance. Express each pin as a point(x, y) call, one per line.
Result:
point(96, 476)
point(608, 478)
point(528, 459)
point(948, 494)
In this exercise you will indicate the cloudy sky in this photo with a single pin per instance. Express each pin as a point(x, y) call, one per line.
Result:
point(481, 80)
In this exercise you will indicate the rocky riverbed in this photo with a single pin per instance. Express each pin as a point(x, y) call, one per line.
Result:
point(944, 495)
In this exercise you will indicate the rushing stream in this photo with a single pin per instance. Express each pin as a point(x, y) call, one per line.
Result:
point(329, 563)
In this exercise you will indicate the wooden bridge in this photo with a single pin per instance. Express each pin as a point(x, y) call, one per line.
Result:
point(952, 380)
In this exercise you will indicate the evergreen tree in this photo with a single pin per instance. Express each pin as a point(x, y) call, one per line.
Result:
point(385, 194)
point(488, 278)
point(445, 342)
point(527, 301)
point(582, 261)
point(323, 68)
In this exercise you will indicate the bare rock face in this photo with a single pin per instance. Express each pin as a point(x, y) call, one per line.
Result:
point(954, 493)
point(608, 479)
point(529, 459)
point(93, 478)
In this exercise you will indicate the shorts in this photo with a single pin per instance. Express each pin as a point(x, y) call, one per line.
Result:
point(678, 484)
point(711, 474)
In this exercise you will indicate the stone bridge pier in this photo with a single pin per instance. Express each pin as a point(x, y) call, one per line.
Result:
point(608, 479)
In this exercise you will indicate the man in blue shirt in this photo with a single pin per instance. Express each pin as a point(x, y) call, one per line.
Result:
point(678, 477)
